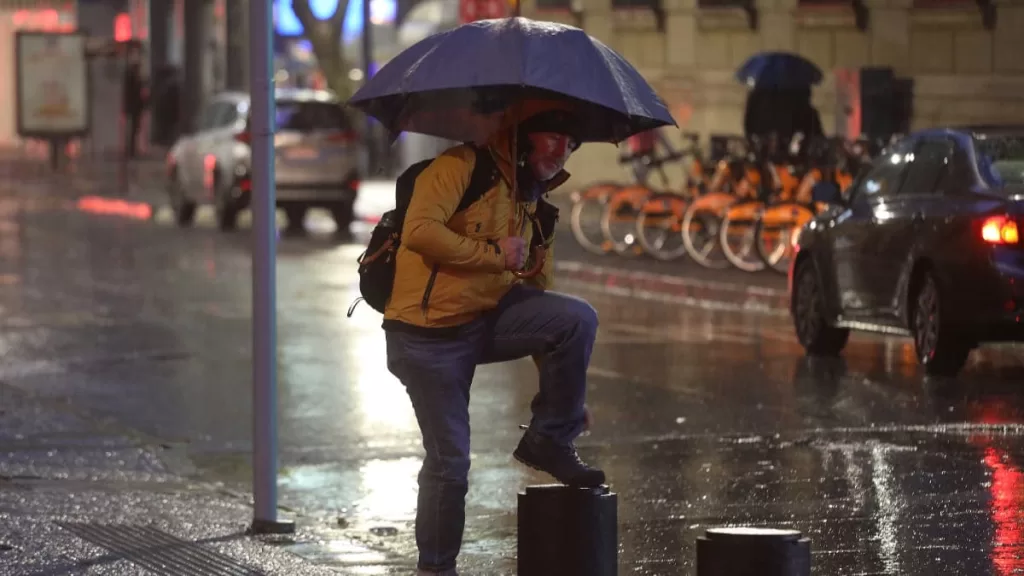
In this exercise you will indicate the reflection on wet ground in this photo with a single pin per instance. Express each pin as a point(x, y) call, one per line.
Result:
point(703, 417)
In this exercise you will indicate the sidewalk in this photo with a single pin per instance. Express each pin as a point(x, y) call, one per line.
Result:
point(78, 495)
point(30, 172)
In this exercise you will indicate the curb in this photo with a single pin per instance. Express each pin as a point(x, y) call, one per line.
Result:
point(674, 289)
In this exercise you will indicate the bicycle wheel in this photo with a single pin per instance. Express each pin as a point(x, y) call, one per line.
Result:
point(585, 218)
point(773, 244)
point(700, 225)
point(618, 221)
point(659, 224)
point(775, 232)
point(736, 236)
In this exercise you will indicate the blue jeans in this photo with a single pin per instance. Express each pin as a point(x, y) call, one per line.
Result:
point(557, 329)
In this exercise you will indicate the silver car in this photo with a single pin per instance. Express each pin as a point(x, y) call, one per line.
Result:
point(317, 159)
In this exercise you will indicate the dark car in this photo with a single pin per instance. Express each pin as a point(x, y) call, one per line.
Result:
point(925, 244)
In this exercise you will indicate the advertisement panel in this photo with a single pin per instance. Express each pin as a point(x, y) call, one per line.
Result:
point(51, 84)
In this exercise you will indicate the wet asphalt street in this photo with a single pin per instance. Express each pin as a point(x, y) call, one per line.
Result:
point(702, 417)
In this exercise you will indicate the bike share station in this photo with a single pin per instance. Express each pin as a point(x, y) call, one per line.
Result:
point(562, 530)
point(741, 205)
point(574, 531)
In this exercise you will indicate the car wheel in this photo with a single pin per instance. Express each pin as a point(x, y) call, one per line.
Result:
point(225, 207)
point(184, 209)
point(343, 214)
point(296, 215)
point(227, 216)
point(940, 347)
point(813, 329)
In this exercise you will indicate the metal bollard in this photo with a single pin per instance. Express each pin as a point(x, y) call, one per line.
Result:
point(567, 531)
point(747, 551)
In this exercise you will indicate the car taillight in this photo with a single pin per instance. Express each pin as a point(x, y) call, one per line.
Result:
point(343, 137)
point(243, 137)
point(999, 230)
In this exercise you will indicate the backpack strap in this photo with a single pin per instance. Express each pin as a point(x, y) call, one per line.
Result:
point(485, 172)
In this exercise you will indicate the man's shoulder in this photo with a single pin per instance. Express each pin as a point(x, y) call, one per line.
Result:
point(462, 158)
point(461, 152)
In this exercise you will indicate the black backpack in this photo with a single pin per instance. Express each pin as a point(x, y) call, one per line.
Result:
point(377, 262)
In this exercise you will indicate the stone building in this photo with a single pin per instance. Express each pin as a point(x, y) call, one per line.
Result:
point(965, 58)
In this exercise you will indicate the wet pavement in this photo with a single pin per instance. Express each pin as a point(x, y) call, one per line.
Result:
point(704, 416)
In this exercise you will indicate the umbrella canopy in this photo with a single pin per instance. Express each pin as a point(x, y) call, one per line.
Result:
point(465, 84)
point(778, 70)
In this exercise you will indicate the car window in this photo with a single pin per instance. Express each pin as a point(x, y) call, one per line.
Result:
point(304, 116)
point(1000, 158)
point(882, 179)
point(227, 115)
point(208, 119)
point(926, 167)
point(960, 176)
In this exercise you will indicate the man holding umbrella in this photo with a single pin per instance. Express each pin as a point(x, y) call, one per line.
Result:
point(460, 297)
point(457, 303)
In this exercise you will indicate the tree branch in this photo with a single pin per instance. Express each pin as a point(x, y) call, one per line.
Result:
point(325, 36)
point(338, 19)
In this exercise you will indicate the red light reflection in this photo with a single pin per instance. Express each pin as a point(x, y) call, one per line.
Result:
point(100, 205)
point(1007, 504)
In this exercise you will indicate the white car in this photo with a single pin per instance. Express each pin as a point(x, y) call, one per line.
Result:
point(318, 157)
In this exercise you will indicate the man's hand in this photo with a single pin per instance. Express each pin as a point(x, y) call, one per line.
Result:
point(514, 249)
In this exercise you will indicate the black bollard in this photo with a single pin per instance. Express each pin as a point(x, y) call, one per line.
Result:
point(567, 531)
point(744, 551)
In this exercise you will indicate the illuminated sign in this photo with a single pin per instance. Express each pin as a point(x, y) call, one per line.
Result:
point(123, 27)
point(51, 84)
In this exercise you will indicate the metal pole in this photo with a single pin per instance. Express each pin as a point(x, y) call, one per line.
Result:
point(371, 136)
point(264, 274)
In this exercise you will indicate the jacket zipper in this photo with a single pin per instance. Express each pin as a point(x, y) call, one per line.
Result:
point(433, 272)
point(428, 289)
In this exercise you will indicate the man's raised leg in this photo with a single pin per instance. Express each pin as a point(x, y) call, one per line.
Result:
point(559, 330)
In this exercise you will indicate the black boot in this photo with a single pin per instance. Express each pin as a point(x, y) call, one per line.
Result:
point(558, 460)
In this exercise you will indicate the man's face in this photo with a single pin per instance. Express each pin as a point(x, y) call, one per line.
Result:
point(549, 153)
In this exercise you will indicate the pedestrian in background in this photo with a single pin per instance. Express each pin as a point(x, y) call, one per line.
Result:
point(133, 98)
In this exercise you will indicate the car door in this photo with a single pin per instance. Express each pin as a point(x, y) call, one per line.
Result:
point(853, 243)
point(905, 219)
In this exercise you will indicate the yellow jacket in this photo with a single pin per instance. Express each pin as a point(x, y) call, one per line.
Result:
point(448, 270)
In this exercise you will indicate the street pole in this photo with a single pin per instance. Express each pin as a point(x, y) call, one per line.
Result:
point(264, 274)
point(371, 136)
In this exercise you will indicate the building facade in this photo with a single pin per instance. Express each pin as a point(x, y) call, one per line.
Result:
point(964, 58)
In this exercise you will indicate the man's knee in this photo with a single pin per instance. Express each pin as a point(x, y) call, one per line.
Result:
point(450, 471)
point(580, 316)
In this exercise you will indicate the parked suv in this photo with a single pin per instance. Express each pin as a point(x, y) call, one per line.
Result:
point(317, 159)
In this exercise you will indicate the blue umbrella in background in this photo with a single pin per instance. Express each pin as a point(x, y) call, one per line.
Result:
point(778, 70)
point(461, 84)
